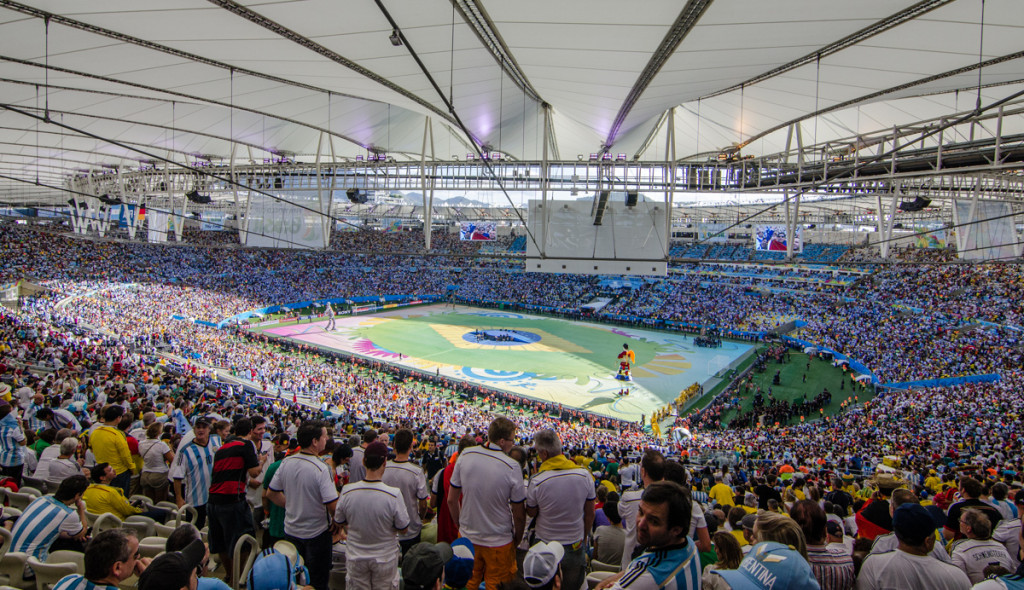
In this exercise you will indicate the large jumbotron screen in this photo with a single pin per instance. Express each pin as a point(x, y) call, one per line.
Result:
point(553, 360)
point(631, 240)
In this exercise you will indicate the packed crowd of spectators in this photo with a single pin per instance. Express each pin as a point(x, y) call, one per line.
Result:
point(851, 523)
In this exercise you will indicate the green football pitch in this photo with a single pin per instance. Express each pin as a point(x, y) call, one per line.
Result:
point(549, 359)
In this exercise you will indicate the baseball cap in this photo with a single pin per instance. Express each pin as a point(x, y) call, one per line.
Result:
point(172, 571)
point(748, 521)
point(912, 523)
point(376, 449)
point(424, 562)
point(541, 563)
point(771, 565)
point(834, 528)
point(459, 568)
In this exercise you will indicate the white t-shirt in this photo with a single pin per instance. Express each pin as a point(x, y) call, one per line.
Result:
point(409, 479)
point(1007, 532)
point(560, 495)
point(152, 451)
point(629, 507)
point(307, 485)
point(255, 495)
point(974, 555)
point(899, 570)
point(356, 469)
point(888, 542)
point(489, 480)
point(374, 513)
point(49, 454)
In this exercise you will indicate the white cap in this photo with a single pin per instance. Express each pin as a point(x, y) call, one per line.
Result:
point(541, 563)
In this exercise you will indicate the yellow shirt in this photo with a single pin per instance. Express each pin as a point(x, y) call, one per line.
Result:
point(739, 537)
point(101, 498)
point(722, 494)
point(110, 446)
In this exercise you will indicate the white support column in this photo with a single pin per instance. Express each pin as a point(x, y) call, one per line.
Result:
point(799, 152)
point(234, 188)
point(544, 182)
point(170, 197)
point(972, 215)
point(243, 229)
point(320, 185)
point(78, 221)
point(427, 207)
point(669, 175)
point(887, 222)
point(792, 222)
point(789, 143)
point(179, 223)
point(999, 141)
point(328, 221)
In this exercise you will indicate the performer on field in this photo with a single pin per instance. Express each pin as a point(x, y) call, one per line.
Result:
point(626, 359)
point(330, 318)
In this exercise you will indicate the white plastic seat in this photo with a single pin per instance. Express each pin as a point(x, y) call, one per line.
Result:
point(30, 490)
point(163, 530)
point(66, 556)
point(12, 564)
point(152, 546)
point(242, 570)
point(48, 574)
point(186, 513)
point(143, 526)
point(106, 521)
point(600, 566)
point(20, 500)
point(290, 550)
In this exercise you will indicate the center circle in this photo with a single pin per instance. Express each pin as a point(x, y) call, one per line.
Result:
point(501, 337)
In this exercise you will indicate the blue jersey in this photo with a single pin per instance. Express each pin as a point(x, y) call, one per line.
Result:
point(194, 465)
point(78, 582)
point(11, 439)
point(38, 527)
point(671, 568)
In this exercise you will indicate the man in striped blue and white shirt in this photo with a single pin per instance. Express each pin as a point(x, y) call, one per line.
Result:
point(192, 471)
point(111, 557)
point(59, 418)
point(49, 518)
point(670, 561)
point(12, 443)
point(33, 423)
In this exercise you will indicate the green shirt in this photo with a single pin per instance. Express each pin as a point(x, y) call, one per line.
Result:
point(276, 516)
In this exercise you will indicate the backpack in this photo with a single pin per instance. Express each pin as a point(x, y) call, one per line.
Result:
point(273, 570)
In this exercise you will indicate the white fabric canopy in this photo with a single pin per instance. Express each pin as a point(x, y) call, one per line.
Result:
point(129, 79)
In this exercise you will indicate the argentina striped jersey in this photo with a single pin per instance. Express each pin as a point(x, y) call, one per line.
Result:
point(11, 438)
point(37, 528)
point(78, 582)
point(671, 568)
point(194, 465)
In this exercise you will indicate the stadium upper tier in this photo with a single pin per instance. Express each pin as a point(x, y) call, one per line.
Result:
point(905, 323)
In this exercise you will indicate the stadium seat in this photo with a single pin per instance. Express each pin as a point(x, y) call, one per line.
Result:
point(105, 522)
point(12, 564)
point(143, 526)
point(48, 574)
point(241, 571)
point(65, 556)
point(152, 546)
point(20, 500)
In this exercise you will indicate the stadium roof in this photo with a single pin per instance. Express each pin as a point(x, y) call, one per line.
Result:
point(122, 81)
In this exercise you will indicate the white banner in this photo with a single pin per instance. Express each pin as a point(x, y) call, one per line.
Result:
point(212, 221)
point(290, 221)
point(156, 221)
